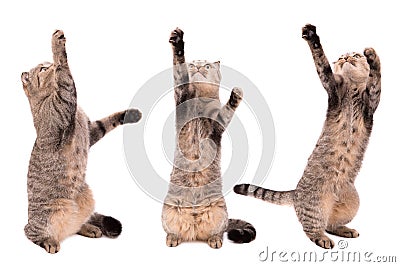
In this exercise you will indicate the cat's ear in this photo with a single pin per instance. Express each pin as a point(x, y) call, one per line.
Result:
point(25, 78)
point(217, 64)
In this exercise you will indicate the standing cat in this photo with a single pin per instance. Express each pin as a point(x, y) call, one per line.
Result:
point(194, 208)
point(325, 198)
point(60, 201)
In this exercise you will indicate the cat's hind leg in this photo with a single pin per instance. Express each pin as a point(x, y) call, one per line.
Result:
point(51, 223)
point(178, 223)
point(215, 241)
point(173, 240)
point(343, 212)
point(212, 222)
point(50, 245)
point(342, 231)
point(39, 237)
point(312, 212)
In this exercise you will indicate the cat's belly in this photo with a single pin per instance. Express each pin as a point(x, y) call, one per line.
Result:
point(74, 209)
point(75, 154)
point(68, 215)
point(196, 223)
point(339, 157)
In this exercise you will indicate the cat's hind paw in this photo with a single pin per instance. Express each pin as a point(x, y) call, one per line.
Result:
point(343, 231)
point(323, 241)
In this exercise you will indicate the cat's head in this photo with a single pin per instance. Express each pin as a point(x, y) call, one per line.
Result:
point(353, 66)
point(39, 82)
point(207, 75)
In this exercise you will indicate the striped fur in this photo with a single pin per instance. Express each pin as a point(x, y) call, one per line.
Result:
point(275, 197)
point(60, 203)
point(325, 199)
point(194, 208)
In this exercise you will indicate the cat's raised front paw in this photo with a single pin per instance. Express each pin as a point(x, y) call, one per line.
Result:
point(176, 39)
point(370, 54)
point(176, 36)
point(131, 116)
point(58, 38)
point(236, 97)
point(309, 31)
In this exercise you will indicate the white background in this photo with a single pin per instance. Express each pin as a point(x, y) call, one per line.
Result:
point(115, 47)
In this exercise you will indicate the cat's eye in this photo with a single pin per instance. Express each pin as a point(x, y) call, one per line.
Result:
point(207, 67)
point(357, 56)
point(43, 69)
point(191, 66)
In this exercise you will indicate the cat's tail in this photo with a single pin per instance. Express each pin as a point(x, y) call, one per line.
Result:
point(240, 231)
point(109, 226)
point(275, 197)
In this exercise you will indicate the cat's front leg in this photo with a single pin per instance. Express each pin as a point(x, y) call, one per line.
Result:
point(180, 69)
point(373, 90)
point(58, 48)
point(235, 98)
point(98, 129)
point(178, 46)
point(226, 113)
point(309, 33)
point(63, 77)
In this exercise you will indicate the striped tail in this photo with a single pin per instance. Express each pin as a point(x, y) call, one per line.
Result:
point(109, 226)
point(275, 197)
point(240, 231)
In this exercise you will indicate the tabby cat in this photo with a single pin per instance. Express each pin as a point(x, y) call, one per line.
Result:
point(60, 201)
point(194, 208)
point(325, 198)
